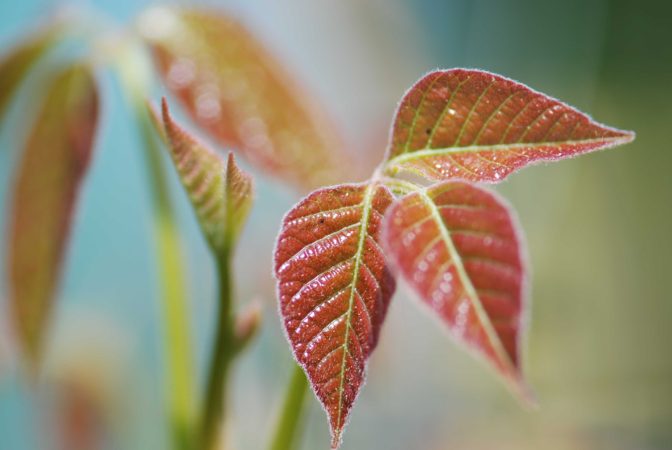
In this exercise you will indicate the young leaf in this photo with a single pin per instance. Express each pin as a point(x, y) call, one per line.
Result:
point(458, 248)
point(220, 192)
point(55, 160)
point(479, 126)
point(334, 288)
point(16, 64)
point(235, 90)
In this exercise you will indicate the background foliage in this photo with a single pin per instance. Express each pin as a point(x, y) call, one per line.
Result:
point(598, 230)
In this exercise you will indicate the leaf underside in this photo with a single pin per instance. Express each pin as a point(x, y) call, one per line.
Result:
point(232, 87)
point(220, 192)
point(477, 126)
point(458, 248)
point(334, 289)
point(55, 160)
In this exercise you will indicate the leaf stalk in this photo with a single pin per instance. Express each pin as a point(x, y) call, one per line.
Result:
point(288, 428)
point(133, 71)
point(224, 350)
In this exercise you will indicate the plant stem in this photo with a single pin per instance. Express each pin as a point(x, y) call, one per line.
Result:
point(223, 352)
point(177, 345)
point(289, 425)
point(134, 71)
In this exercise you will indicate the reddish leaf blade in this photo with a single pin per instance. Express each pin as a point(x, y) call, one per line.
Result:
point(234, 89)
point(15, 65)
point(55, 160)
point(478, 126)
point(334, 288)
point(220, 192)
point(458, 248)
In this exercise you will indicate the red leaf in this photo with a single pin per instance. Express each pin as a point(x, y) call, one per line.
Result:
point(479, 126)
point(55, 160)
point(234, 89)
point(334, 289)
point(458, 248)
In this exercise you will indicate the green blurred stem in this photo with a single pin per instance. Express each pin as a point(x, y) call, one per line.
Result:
point(135, 73)
point(289, 425)
point(223, 352)
point(177, 345)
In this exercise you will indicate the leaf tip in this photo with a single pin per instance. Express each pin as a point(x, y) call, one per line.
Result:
point(231, 164)
point(175, 136)
point(164, 109)
point(168, 122)
point(628, 136)
point(336, 437)
point(523, 392)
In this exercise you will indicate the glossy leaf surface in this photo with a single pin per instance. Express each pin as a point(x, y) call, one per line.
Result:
point(478, 126)
point(457, 247)
point(16, 64)
point(55, 160)
point(334, 289)
point(220, 192)
point(234, 89)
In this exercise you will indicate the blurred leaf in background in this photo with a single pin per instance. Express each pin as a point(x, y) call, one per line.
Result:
point(232, 86)
point(54, 162)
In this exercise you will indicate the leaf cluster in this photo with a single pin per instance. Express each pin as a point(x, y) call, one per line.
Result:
point(422, 218)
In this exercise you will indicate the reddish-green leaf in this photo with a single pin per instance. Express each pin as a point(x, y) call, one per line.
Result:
point(16, 64)
point(458, 248)
point(334, 288)
point(478, 126)
point(234, 89)
point(220, 192)
point(55, 160)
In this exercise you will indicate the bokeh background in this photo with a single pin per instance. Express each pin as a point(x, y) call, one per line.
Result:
point(598, 227)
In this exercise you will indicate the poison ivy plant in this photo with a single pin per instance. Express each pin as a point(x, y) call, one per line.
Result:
point(455, 244)
point(420, 218)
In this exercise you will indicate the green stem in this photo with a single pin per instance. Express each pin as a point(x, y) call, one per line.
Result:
point(223, 352)
point(177, 345)
point(134, 71)
point(288, 429)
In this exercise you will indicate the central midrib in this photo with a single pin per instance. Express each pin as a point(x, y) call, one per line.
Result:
point(429, 152)
point(363, 231)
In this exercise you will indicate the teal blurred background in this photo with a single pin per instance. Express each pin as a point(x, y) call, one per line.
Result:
point(598, 227)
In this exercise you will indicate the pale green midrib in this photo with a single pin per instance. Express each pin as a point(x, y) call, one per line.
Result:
point(429, 152)
point(403, 186)
point(468, 286)
point(363, 231)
